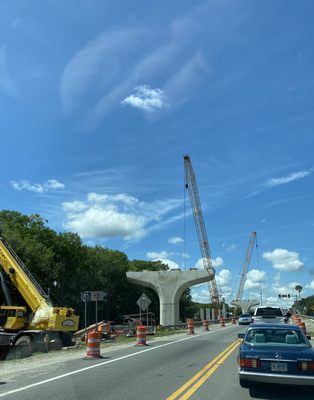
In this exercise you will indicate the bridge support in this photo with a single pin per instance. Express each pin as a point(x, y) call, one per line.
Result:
point(245, 305)
point(170, 286)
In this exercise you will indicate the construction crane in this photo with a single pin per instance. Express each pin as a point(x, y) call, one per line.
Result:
point(246, 264)
point(238, 300)
point(39, 320)
point(190, 184)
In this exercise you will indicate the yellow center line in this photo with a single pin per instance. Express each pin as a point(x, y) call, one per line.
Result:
point(207, 367)
point(204, 378)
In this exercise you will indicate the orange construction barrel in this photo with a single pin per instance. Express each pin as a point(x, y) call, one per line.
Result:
point(141, 335)
point(93, 345)
point(302, 326)
point(222, 322)
point(205, 325)
point(190, 327)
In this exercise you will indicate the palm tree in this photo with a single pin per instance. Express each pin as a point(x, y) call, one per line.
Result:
point(299, 289)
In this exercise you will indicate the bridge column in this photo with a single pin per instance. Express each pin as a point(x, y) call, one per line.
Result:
point(170, 286)
point(245, 305)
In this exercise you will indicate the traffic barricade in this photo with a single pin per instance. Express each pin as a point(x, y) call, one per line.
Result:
point(190, 327)
point(93, 345)
point(141, 335)
point(205, 325)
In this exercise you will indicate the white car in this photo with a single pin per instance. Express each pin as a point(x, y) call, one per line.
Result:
point(269, 314)
point(245, 319)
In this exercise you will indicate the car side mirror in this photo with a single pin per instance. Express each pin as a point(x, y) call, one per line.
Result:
point(309, 337)
point(241, 335)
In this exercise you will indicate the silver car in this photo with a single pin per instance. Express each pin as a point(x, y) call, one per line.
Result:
point(245, 319)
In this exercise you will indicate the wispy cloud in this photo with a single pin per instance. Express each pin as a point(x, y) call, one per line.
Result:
point(175, 240)
point(147, 99)
point(48, 186)
point(273, 182)
point(287, 179)
point(104, 72)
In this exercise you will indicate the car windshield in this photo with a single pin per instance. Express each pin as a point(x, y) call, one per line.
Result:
point(245, 316)
point(272, 336)
point(269, 311)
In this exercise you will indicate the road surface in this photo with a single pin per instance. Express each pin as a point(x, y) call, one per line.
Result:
point(198, 367)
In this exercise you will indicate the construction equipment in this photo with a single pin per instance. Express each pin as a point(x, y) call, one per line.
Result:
point(190, 184)
point(238, 300)
point(36, 322)
point(131, 322)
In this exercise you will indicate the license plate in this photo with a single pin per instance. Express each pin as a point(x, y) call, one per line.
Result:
point(279, 367)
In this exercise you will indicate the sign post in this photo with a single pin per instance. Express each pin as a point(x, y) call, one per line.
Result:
point(85, 297)
point(97, 296)
point(143, 302)
point(92, 296)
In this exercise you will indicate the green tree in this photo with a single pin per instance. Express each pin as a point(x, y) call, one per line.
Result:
point(299, 289)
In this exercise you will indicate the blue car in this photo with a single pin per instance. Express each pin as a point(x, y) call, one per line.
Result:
point(275, 353)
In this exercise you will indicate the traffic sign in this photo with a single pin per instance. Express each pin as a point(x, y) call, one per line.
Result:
point(97, 295)
point(143, 302)
point(85, 296)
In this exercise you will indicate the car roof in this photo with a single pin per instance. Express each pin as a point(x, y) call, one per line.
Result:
point(268, 307)
point(266, 325)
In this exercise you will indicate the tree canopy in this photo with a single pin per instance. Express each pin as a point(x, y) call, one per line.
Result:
point(64, 267)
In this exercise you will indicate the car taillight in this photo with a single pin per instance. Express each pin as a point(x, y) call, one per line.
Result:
point(250, 363)
point(306, 366)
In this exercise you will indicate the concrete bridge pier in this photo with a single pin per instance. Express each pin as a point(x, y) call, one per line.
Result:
point(170, 286)
point(245, 305)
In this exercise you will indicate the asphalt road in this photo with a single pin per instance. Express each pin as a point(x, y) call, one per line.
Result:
point(202, 366)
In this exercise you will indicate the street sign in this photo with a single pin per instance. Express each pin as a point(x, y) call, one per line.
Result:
point(97, 295)
point(85, 296)
point(143, 302)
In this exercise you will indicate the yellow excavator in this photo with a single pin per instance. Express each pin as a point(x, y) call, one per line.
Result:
point(36, 324)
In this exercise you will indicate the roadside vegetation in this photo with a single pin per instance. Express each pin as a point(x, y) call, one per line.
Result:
point(64, 267)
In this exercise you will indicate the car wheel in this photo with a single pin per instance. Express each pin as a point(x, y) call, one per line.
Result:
point(244, 384)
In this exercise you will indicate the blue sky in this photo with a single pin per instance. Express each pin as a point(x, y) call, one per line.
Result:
point(100, 100)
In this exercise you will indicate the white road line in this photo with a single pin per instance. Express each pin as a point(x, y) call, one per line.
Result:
point(100, 365)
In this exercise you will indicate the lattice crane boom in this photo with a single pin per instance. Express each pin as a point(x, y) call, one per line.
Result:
point(246, 265)
point(190, 184)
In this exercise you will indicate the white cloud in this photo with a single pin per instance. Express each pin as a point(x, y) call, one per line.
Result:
point(217, 262)
point(287, 179)
point(310, 285)
point(146, 99)
point(162, 256)
point(223, 278)
point(284, 260)
point(50, 185)
point(103, 216)
point(153, 254)
point(255, 279)
point(175, 240)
